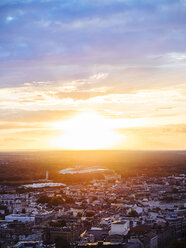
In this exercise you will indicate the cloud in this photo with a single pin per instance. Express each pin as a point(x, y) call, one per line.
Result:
point(31, 139)
point(28, 116)
point(51, 40)
point(44, 102)
point(159, 130)
point(10, 125)
point(83, 95)
point(124, 59)
point(14, 140)
point(163, 137)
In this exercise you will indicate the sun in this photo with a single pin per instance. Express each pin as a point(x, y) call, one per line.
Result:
point(86, 131)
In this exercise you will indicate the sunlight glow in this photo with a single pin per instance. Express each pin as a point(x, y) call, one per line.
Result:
point(86, 131)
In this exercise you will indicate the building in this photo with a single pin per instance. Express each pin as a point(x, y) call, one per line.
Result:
point(119, 227)
point(19, 217)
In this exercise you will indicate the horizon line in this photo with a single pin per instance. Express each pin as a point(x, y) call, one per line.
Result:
point(92, 150)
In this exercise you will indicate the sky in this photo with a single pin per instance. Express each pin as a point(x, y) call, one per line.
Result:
point(84, 74)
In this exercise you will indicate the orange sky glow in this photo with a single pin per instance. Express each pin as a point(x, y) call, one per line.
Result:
point(93, 75)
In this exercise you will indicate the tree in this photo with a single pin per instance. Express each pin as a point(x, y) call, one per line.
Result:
point(23, 211)
point(177, 244)
point(174, 190)
point(69, 200)
point(55, 201)
point(79, 214)
point(133, 213)
point(43, 199)
point(90, 214)
point(94, 198)
point(61, 243)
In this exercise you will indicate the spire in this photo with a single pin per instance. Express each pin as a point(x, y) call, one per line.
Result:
point(46, 176)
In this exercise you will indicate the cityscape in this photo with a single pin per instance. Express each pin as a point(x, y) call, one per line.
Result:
point(92, 123)
point(108, 210)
